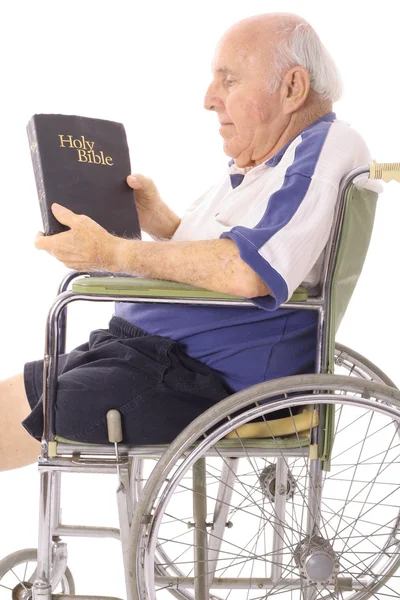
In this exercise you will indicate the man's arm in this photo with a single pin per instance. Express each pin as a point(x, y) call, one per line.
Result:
point(212, 264)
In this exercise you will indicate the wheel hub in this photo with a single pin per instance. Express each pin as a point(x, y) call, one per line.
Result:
point(317, 561)
point(22, 591)
point(268, 483)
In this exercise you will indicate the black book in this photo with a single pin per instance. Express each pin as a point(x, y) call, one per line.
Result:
point(82, 163)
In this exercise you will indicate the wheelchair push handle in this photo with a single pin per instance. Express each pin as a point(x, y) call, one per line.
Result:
point(385, 171)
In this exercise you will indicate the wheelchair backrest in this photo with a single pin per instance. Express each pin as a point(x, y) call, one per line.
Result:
point(352, 246)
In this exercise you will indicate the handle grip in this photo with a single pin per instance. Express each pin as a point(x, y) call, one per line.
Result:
point(385, 171)
point(114, 426)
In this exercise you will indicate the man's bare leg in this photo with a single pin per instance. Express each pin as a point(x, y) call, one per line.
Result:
point(17, 447)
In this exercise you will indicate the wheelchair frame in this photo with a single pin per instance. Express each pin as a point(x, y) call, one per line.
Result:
point(59, 457)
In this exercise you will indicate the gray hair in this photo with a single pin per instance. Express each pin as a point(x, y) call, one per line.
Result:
point(300, 45)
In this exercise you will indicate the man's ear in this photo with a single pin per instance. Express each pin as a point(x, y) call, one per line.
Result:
point(295, 89)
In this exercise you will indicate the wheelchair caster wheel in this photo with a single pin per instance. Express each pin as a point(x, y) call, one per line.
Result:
point(18, 572)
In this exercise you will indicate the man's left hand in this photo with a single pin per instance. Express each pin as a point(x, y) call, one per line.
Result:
point(85, 247)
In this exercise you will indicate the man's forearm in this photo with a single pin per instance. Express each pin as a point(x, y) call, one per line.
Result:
point(212, 264)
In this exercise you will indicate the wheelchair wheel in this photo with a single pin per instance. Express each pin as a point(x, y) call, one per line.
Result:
point(18, 573)
point(245, 518)
point(347, 362)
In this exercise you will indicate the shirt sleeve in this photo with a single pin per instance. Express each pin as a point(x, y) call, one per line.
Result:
point(282, 250)
point(286, 243)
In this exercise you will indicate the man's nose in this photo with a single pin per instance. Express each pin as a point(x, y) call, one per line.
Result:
point(212, 100)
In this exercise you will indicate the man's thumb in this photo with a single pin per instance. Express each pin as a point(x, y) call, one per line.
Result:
point(63, 214)
point(134, 182)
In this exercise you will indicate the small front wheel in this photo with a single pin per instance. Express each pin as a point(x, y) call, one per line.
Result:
point(18, 573)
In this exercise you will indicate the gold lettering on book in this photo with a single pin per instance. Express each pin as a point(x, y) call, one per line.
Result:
point(85, 150)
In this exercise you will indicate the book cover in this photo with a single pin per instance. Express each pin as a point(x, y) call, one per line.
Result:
point(82, 163)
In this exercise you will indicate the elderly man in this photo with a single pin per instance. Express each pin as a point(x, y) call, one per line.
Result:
point(259, 233)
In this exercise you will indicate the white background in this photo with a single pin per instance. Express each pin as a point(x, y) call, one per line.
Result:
point(147, 65)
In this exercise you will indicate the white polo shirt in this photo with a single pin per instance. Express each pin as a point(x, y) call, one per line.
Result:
point(279, 214)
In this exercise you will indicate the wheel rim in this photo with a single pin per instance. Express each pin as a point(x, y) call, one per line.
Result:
point(349, 362)
point(345, 525)
point(137, 479)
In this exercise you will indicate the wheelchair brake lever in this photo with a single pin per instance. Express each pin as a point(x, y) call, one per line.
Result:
point(114, 429)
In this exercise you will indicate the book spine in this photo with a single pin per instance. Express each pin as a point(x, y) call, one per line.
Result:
point(38, 171)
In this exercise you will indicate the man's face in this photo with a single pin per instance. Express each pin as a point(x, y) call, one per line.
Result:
point(247, 112)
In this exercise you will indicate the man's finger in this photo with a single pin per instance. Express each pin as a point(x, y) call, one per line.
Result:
point(41, 241)
point(64, 215)
point(49, 242)
point(44, 242)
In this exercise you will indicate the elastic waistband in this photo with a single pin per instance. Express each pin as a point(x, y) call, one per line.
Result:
point(122, 328)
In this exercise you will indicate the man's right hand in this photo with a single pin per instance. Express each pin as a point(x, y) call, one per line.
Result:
point(155, 217)
point(147, 198)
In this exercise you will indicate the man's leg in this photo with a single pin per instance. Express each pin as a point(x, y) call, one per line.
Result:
point(17, 447)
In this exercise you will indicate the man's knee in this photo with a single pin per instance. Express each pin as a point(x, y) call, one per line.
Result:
point(17, 447)
point(13, 394)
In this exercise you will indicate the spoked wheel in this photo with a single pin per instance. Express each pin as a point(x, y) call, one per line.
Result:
point(250, 519)
point(18, 573)
point(347, 362)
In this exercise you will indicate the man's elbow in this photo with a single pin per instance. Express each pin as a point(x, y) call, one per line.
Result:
point(259, 289)
point(252, 286)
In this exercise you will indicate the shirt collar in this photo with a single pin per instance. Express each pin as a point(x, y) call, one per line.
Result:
point(274, 160)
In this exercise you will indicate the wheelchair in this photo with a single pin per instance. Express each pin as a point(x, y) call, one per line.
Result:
point(242, 504)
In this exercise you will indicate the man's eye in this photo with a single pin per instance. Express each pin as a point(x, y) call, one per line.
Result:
point(229, 82)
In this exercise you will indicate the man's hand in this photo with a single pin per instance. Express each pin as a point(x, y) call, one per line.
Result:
point(155, 217)
point(147, 198)
point(85, 247)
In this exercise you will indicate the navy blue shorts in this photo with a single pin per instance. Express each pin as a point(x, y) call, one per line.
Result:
point(157, 388)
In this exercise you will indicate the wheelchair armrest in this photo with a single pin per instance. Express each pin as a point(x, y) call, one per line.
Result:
point(157, 288)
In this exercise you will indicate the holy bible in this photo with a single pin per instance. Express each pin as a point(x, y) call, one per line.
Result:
point(82, 163)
